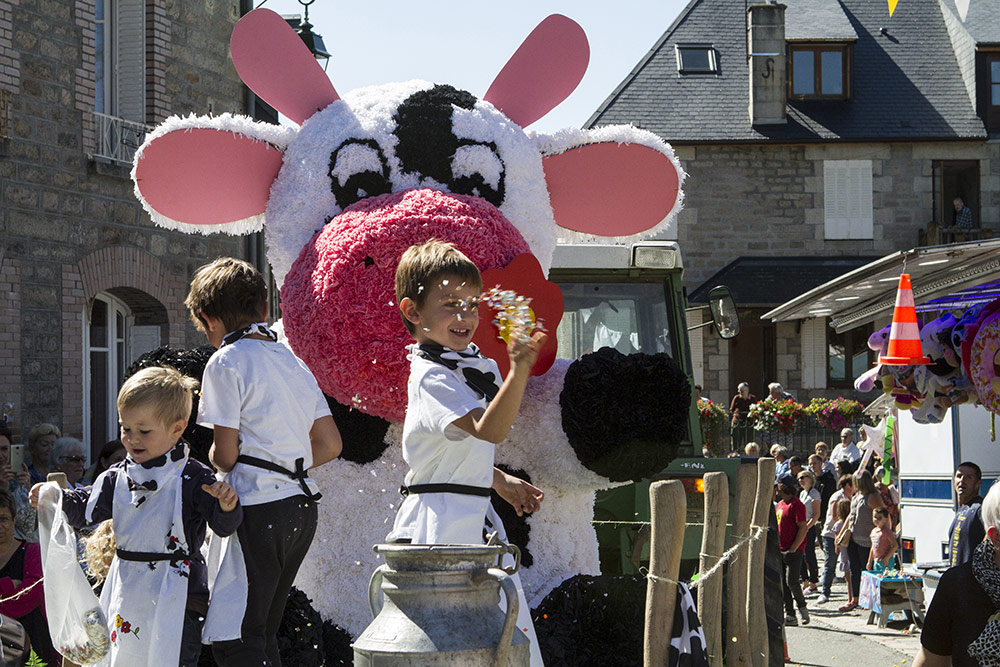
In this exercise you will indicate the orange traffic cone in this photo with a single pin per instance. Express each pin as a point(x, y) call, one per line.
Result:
point(904, 338)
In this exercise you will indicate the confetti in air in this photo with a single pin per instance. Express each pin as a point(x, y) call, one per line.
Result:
point(514, 318)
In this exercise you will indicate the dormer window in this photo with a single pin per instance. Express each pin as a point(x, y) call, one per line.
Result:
point(819, 71)
point(696, 59)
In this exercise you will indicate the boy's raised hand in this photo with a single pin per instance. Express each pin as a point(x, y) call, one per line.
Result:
point(524, 354)
point(225, 494)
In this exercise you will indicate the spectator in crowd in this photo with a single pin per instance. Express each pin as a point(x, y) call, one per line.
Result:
point(739, 408)
point(775, 392)
point(829, 535)
point(810, 498)
point(111, 453)
point(826, 484)
point(40, 441)
point(844, 467)
point(963, 214)
point(780, 455)
point(69, 456)
point(17, 483)
point(823, 450)
point(846, 450)
point(967, 529)
point(883, 541)
point(843, 530)
point(890, 496)
point(957, 629)
point(752, 449)
point(863, 502)
point(20, 570)
point(796, 466)
point(697, 394)
point(791, 515)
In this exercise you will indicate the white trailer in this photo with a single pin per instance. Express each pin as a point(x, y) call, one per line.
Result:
point(928, 457)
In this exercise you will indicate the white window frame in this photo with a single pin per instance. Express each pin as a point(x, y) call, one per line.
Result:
point(847, 200)
point(115, 306)
point(814, 353)
point(696, 341)
point(713, 63)
point(123, 86)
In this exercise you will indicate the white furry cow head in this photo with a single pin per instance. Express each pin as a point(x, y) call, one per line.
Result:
point(371, 173)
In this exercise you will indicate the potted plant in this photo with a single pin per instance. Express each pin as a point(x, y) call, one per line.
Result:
point(714, 422)
point(776, 416)
point(836, 413)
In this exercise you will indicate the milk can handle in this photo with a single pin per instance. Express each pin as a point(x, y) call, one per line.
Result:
point(510, 621)
point(374, 587)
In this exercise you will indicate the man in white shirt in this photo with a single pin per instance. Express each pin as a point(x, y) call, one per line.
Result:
point(846, 450)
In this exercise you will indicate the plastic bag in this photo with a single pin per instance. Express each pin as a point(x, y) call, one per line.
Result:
point(77, 624)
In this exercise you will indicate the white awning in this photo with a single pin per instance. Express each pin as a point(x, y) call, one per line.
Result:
point(864, 294)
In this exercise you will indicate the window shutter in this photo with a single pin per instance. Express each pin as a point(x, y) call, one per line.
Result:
point(847, 194)
point(130, 60)
point(697, 340)
point(142, 339)
point(813, 335)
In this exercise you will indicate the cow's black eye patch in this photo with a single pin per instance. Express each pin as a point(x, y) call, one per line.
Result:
point(477, 169)
point(358, 170)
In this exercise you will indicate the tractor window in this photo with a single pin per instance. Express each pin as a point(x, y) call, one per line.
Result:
point(630, 317)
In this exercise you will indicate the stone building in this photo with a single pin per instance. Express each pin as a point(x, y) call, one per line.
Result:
point(87, 283)
point(817, 137)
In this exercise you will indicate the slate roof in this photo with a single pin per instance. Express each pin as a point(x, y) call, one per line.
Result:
point(981, 18)
point(771, 281)
point(817, 20)
point(906, 85)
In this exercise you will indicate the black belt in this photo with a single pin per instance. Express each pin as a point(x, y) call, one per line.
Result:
point(463, 489)
point(299, 475)
point(148, 557)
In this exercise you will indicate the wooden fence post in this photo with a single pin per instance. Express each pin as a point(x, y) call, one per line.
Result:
point(668, 513)
point(757, 619)
point(713, 542)
point(737, 635)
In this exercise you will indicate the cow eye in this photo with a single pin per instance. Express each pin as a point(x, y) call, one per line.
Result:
point(358, 170)
point(477, 169)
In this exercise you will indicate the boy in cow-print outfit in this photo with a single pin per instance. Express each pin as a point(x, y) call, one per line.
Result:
point(457, 411)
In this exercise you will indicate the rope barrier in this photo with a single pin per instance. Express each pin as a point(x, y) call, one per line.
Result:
point(22, 592)
point(754, 535)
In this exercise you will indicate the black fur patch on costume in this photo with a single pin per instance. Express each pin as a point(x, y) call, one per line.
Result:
point(593, 621)
point(362, 184)
point(518, 530)
point(625, 415)
point(336, 645)
point(190, 363)
point(427, 142)
point(363, 435)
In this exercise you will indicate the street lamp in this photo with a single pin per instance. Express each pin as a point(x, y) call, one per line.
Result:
point(313, 41)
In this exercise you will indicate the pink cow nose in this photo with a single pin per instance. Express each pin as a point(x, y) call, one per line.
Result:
point(339, 303)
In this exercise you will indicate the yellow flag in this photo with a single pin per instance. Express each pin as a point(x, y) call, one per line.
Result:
point(892, 7)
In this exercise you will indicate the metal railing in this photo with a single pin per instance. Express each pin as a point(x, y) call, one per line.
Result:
point(115, 139)
point(936, 234)
point(801, 441)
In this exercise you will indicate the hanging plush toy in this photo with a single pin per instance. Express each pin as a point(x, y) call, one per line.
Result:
point(367, 174)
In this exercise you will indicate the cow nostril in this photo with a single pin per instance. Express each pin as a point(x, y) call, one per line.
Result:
point(369, 261)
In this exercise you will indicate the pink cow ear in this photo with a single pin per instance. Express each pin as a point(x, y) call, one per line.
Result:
point(612, 189)
point(274, 63)
point(204, 175)
point(543, 71)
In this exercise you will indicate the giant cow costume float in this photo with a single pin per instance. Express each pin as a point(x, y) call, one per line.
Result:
point(367, 175)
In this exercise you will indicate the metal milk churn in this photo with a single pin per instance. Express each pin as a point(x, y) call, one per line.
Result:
point(441, 609)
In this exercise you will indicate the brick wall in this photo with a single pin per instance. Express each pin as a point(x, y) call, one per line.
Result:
point(71, 228)
point(10, 60)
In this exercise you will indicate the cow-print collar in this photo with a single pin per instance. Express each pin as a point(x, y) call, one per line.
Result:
point(258, 328)
point(477, 370)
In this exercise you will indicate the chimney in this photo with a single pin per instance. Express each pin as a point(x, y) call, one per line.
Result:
point(767, 64)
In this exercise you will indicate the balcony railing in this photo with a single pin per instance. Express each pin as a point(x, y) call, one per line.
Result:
point(936, 234)
point(115, 139)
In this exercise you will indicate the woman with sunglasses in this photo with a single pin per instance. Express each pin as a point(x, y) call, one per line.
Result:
point(40, 441)
point(69, 456)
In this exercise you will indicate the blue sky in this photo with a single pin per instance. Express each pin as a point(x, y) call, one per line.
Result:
point(466, 43)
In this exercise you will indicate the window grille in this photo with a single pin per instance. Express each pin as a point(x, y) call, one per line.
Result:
point(115, 139)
